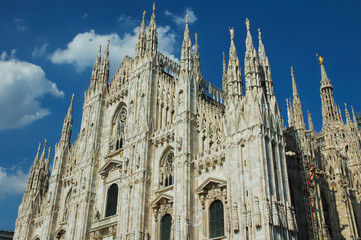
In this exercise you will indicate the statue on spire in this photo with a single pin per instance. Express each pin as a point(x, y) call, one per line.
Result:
point(320, 59)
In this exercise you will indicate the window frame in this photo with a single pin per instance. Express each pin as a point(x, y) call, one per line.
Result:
point(209, 220)
point(107, 199)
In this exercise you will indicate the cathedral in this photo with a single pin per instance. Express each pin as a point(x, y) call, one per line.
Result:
point(164, 154)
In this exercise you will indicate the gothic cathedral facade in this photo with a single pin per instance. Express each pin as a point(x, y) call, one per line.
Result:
point(164, 154)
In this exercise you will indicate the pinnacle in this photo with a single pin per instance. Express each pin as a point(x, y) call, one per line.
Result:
point(247, 25)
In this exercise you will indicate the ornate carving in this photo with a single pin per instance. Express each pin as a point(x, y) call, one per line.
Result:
point(179, 143)
point(289, 217)
point(172, 230)
point(275, 217)
point(257, 213)
point(235, 219)
point(186, 234)
point(282, 215)
point(244, 216)
point(178, 228)
point(162, 206)
point(214, 192)
point(267, 210)
point(97, 214)
point(228, 220)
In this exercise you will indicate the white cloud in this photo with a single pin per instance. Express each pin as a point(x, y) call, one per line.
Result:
point(181, 19)
point(40, 51)
point(85, 15)
point(126, 19)
point(12, 181)
point(20, 24)
point(22, 86)
point(83, 49)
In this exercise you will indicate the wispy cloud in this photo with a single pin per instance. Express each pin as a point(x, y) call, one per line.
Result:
point(81, 52)
point(12, 181)
point(40, 51)
point(125, 19)
point(85, 15)
point(22, 86)
point(20, 24)
point(181, 19)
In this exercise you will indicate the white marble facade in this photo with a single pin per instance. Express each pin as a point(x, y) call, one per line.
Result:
point(159, 141)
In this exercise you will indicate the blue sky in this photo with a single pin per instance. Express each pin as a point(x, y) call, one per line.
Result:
point(47, 49)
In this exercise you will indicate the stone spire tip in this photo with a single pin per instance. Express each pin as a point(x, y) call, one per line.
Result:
point(187, 19)
point(259, 34)
point(247, 24)
point(231, 31)
point(153, 6)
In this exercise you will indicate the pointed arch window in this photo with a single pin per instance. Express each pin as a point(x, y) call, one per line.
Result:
point(166, 169)
point(112, 200)
point(120, 128)
point(216, 219)
point(165, 227)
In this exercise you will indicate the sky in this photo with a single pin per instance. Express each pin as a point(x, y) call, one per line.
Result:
point(48, 48)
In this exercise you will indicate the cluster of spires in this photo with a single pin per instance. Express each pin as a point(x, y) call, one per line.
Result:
point(100, 73)
point(257, 75)
point(331, 114)
point(257, 68)
point(39, 173)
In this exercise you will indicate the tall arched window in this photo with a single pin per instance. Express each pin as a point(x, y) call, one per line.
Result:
point(112, 200)
point(326, 214)
point(165, 227)
point(166, 170)
point(216, 219)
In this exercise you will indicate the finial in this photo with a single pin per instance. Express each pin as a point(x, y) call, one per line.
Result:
point(187, 19)
point(108, 41)
point(292, 74)
point(45, 142)
point(320, 59)
point(100, 49)
point(259, 34)
point(153, 6)
point(72, 97)
point(143, 14)
point(231, 31)
point(196, 36)
point(224, 62)
point(247, 24)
